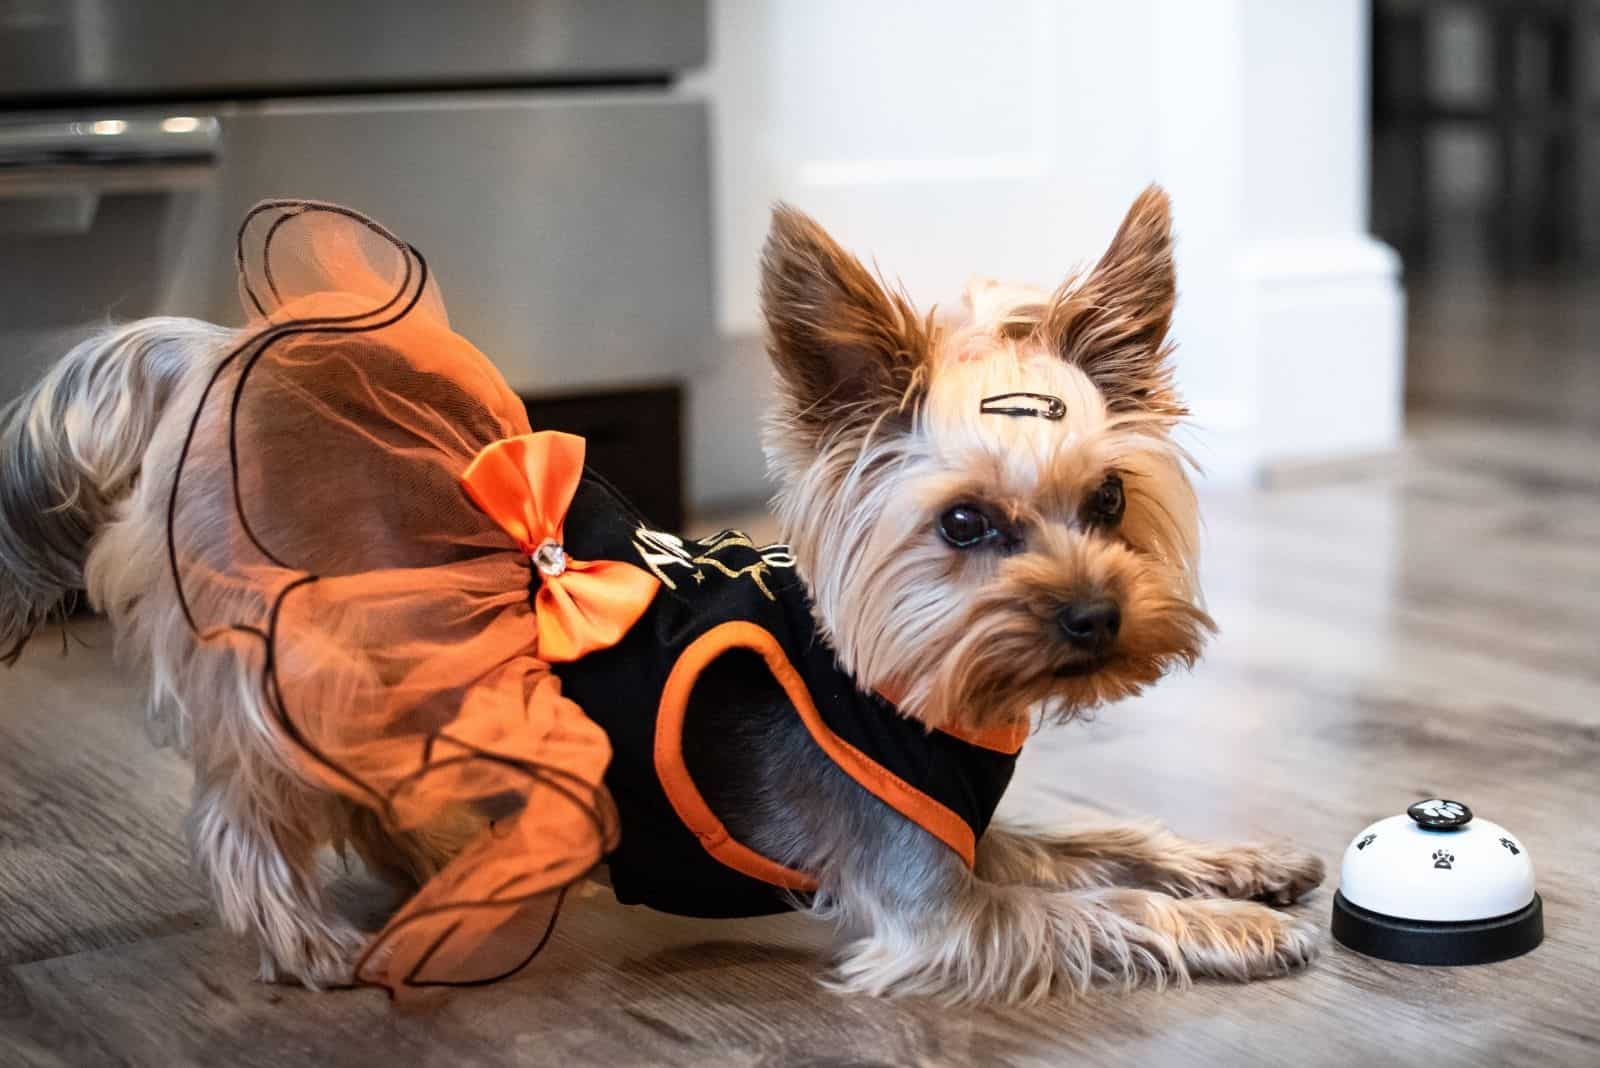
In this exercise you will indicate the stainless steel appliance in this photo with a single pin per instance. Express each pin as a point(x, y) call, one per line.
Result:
point(537, 151)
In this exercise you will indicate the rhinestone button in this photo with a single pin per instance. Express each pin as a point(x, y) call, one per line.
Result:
point(550, 558)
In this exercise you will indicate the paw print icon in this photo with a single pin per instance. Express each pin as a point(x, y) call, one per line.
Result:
point(1440, 814)
point(1443, 859)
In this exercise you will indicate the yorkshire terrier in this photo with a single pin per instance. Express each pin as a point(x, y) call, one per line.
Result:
point(989, 524)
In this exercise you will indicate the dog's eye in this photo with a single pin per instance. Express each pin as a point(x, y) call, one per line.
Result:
point(1107, 503)
point(965, 526)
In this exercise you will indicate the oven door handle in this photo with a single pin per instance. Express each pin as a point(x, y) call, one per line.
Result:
point(52, 174)
point(110, 142)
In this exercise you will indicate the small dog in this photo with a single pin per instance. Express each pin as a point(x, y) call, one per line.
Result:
point(991, 521)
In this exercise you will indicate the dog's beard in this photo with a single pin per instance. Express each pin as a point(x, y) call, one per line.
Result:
point(1002, 660)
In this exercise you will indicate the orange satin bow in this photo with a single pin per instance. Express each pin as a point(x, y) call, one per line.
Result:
point(526, 484)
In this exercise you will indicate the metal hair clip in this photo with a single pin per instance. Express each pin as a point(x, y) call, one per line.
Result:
point(1052, 407)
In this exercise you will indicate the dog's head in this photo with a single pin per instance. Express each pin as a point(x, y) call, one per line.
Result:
point(990, 513)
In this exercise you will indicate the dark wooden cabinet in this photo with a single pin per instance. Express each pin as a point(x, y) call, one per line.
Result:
point(635, 440)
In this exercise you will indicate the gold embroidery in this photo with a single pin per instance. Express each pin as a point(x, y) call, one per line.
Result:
point(755, 571)
point(661, 551)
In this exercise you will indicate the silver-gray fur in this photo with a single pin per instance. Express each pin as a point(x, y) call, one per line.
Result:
point(1040, 913)
point(71, 449)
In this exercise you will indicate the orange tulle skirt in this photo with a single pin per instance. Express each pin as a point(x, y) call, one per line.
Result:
point(364, 517)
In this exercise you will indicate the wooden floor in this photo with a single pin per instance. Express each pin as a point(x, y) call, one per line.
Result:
point(1427, 628)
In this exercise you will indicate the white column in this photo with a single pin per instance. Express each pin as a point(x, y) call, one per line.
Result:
point(1290, 315)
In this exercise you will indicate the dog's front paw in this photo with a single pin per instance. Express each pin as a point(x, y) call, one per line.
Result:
point(1276, 874)
point(1243, 940)
point(1282, 875)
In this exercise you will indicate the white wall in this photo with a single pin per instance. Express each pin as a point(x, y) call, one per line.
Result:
point(942, 137)
point(945, 138)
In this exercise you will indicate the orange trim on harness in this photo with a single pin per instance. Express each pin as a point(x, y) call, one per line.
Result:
point(673, 772)
point(1007, 738)
point(691, 807)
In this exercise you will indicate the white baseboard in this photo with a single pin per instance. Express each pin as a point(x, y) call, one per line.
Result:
point(1317, 371)
point(1330, 346)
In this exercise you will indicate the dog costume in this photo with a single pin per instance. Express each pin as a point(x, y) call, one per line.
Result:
point(447, 609)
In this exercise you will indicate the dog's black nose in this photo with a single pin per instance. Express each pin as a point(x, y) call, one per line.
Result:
point(1091, 625)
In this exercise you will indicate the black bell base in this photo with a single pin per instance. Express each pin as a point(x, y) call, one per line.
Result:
point(1422, 942)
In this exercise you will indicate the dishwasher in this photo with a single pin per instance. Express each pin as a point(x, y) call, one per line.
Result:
point(539, 152)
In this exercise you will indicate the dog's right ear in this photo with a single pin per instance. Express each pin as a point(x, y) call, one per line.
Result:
point(847, 350)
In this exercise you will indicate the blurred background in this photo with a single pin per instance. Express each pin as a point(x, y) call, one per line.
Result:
point(1484, 178)
point(1382, 208)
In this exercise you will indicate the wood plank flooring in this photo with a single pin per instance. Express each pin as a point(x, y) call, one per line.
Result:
point(1428, 627)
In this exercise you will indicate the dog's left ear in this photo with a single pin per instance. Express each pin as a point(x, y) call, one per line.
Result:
point(1113, 323)
point(847, 350)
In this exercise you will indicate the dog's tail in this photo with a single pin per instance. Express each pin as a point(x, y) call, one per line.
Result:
point(71, 449)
